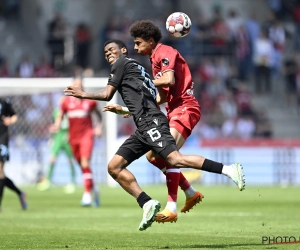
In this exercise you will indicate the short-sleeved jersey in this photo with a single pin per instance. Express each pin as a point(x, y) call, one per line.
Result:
point(7, 110)
point(164, 58)
point(78, 112)
point(134, 85)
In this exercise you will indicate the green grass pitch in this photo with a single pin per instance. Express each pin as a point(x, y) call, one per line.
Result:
point(226, 219)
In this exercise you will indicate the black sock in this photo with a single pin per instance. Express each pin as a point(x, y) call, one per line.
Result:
point(142, 199)
point(2, 184)
point(212, 166)
point(11, 185)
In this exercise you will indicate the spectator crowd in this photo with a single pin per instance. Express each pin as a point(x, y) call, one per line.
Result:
point(232, 57)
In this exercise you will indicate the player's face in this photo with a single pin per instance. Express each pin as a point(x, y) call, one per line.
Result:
point(112, 52)
point(143, 47)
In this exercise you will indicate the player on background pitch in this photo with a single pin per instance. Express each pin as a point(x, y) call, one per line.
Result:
point(81, 138)
point(8, 117)
point(59, 143)
point(138, 92)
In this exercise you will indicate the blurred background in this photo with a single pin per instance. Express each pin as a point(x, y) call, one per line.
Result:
point(249, 94)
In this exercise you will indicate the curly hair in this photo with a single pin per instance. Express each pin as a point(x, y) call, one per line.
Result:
point(145, 29)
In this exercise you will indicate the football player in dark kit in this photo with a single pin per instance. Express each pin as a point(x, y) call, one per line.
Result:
point(138, 92)
point(7, 117)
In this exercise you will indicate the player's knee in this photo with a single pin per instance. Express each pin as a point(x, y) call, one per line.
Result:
point(174, 159)
point(113, 170)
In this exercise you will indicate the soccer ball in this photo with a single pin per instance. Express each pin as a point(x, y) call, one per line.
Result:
point(178, 24)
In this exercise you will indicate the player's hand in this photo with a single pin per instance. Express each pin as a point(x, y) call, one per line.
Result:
point(74, 91)
point(115, 108)
point(97, 131)
point(126, 115)
point(53, 128)
point(6, 120)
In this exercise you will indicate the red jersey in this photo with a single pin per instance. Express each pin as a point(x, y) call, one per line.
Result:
point(165, 58)
point(78, 112)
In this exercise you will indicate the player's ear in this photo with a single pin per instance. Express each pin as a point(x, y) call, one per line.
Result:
point(151, 41)
point(124, 50)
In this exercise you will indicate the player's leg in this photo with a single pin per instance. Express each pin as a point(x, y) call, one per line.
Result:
point(2, 180)
point(71, 187)
point(180, 134)
point(5, 181)
point(180, 130)
point(234, 171)
point(56, 147)
point(131, 150)
point(86, 147)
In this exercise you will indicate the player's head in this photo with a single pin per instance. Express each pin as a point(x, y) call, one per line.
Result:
point(113, 49)
point(146, 35)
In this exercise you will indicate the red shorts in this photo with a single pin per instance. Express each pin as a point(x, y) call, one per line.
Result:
point(184, 119)
point(82, 148)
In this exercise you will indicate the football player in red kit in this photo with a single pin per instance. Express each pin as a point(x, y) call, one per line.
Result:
point(174, 82)
point(81, 138)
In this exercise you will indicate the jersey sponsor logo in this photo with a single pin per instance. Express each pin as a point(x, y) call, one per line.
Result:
point(155, 121)
point(77, 113)
point(159, 144)
point(165, 61)
point(85, 105)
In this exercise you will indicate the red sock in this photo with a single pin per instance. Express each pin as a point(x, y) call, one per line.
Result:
point(172, 178)
point(183, 182)
point(87, 179)
point(161, 164)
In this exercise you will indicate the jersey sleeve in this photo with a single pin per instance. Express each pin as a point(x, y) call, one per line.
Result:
point(93, 104)
point(167, 58)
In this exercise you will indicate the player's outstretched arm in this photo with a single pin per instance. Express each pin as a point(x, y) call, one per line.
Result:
point(104, 94)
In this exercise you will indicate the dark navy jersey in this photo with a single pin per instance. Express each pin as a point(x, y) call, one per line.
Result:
point(7, 110)
point(134, 85)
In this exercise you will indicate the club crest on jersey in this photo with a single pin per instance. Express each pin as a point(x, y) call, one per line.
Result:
point(165, 61)
point(110, 76)
point(155, 121)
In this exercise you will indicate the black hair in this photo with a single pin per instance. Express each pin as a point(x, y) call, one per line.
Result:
point(145, 29)
point(120, 44)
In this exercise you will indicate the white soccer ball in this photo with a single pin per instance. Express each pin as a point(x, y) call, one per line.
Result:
point(178, 24)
